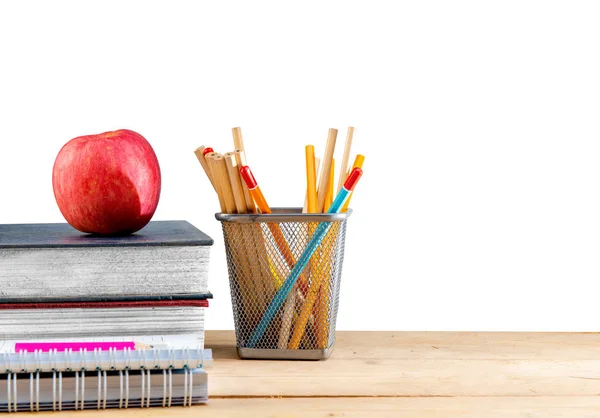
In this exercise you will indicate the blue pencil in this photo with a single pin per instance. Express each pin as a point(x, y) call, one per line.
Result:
point(312, 246)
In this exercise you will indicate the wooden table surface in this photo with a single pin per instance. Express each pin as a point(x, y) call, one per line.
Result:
point(405, 374)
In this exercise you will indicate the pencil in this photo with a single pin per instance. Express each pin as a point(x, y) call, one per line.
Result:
point(278, 236)
point(358, 163)
point(250, 292)
point(236, 182)
point(325, 292)
point(314, 243)
point(254, 190)
point(311, 181)
point(200, 155)
point(329, 195)
point(346, 158)
point(238, 142)
point(310, 205)
point(255, 243)
point(287, 319)
point(240, 159)
point(317, 165)
point(325, 169)
point(219, 169)
point(212, 169)
point(322, 302)
point(319, 282)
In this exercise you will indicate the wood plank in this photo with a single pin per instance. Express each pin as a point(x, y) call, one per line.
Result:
point(504, 407)
point(407, 374)
point(446, 345)
point(409, 364)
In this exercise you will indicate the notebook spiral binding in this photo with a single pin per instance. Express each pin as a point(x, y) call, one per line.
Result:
point(102, 401)
point(112, 359)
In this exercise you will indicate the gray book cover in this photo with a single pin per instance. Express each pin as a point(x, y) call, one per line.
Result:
point(63, 235)
point(44, 262)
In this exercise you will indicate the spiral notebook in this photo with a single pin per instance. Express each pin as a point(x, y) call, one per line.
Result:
point(57, 391)
point(101, 373)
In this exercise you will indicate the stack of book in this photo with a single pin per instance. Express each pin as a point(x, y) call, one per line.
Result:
point(99, 322)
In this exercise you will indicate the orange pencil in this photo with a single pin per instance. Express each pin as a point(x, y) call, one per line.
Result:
point(263, 206)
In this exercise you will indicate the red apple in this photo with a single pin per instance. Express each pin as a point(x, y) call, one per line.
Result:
point(108, 183)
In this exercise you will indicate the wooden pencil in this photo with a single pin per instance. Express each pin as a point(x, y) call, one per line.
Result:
point(345, 159)
point(263, 277)
point(240, 158)
point(325, 169)
point(322, 299)
point(238, 142)
point(219, 170)
point(319, 290)
point(211, 168)
point(250, 294)
point(236, 182)
point(202, 159)
point(329, 196)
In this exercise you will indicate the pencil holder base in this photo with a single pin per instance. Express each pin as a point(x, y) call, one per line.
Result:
point(276, 354)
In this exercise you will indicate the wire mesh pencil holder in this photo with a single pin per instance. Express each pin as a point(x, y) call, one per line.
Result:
point(262, 251)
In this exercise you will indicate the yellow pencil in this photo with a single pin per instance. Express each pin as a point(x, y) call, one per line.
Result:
point(322, 302)
point(311, 181)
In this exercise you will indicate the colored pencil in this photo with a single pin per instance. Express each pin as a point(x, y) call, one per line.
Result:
point(311, 181)
point(322, 302)
point(313, 244)
point(317, 165)
point(278, 236)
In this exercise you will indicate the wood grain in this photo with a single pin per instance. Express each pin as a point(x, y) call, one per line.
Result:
point(408, 374)
point(199, 152)
point(345, 159)
point(221, 176)
point(236, 182)
point(323, 179)
point(240, 159)
point(506, 407)
point(423, 364)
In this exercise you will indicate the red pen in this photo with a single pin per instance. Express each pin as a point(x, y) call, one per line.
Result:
point(260, 201)
point(254, 190)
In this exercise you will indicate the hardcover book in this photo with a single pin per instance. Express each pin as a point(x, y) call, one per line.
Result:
point(55, 262)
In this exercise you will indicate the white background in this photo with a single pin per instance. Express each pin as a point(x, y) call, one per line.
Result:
point(480, 204)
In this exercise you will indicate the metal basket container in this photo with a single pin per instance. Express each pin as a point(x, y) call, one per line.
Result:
point(261, 251)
